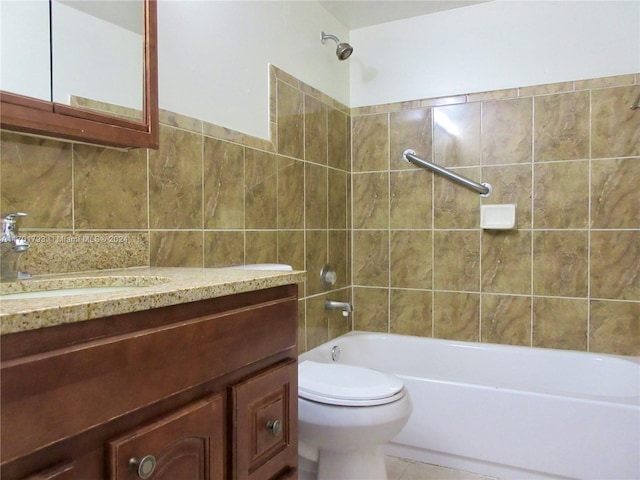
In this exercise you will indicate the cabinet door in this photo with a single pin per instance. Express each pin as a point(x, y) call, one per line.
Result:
point(187, 445)
point(265, 433)
point(64, 471)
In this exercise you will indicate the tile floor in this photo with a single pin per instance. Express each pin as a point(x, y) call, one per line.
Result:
point(401, 469)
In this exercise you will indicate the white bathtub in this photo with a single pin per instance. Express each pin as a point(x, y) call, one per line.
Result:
point(509, 412)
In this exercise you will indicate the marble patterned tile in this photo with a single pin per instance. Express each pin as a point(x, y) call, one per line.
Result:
point(316, 256)
point(37, 180)
point(337, 199)
point(339, 127)
point(261, 246)
point(614, 327)
point(371, 200)
point(317, 321)
point(506, 261)
point(410, 199)
point(338, 256)
point(290, 193)
point(261, 190)
point(175, 181)
point(223, 248)
point(506, 319)
point(456, 260)
point(457, 135)
point(410, 312)
point(561, 126)
point(560, 323)
point(371, 257)
point(561, 195)
point(316, 196)
point(290, 115)
point(410, 129)
point(615, 264)
point(370, 139)
point(291, 248)
point(223, 184)
point(453, 205)
point(176, 249)
point(615, 128)
point(410, 258)
point(316, 136)
point(507, 131)
point(511, 184)
point(614, 198)
point(560, 260)
point(456, 316)
point(371, 309)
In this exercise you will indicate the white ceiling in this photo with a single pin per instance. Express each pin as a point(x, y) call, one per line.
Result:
point(363, 13)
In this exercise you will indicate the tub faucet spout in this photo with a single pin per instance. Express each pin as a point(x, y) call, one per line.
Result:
point(345, 307)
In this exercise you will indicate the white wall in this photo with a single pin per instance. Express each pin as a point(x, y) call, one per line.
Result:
point(213, 57)
point(495, 45)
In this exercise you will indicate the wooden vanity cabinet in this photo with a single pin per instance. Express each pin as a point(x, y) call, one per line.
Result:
point(204, 390)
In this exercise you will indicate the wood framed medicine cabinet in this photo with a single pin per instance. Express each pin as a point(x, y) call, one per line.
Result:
point(29, 115)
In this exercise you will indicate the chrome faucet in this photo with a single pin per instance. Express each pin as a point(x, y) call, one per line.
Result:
point(345, 307)
point(11, 247)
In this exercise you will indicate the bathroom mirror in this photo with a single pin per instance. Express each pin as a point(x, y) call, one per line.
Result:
point(91, 78)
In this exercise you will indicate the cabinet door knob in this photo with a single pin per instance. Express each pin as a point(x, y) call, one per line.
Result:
point(145, 466)
point(274, 427)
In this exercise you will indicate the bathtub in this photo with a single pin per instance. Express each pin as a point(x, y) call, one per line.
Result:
point(505, 411)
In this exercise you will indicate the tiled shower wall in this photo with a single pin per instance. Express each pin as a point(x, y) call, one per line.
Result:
point(567, 277)
point(208, 197)
point(567, 154)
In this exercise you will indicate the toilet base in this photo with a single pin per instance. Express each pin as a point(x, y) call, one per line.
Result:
point(352, 465)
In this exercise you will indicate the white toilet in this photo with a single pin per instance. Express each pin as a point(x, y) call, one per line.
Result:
point(345, 415)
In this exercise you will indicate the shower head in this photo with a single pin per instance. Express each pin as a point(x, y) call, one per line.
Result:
point(343, 51)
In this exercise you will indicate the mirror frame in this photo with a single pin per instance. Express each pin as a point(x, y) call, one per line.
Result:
point(50, 119)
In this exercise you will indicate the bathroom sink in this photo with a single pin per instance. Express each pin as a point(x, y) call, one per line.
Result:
point(62, 287)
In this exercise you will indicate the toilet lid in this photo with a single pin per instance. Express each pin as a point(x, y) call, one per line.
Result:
point(340, 384)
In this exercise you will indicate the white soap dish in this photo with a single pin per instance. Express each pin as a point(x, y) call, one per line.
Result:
point(498, 217)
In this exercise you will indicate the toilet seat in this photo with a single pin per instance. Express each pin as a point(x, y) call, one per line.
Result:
point(347, 385)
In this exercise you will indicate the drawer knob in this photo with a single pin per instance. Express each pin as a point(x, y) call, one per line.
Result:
point(274, 427)
point(145, 466)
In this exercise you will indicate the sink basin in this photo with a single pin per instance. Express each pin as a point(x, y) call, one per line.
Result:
point(62, 287)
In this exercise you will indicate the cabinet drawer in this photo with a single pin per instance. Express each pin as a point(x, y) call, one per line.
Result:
point(265, 433)
point(186, 444)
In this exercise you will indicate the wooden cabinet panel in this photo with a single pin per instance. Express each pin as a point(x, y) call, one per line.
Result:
point(265, 438)
point(188, 444)
point(64, 471)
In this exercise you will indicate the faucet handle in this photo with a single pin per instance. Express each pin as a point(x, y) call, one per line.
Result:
point(9, 225)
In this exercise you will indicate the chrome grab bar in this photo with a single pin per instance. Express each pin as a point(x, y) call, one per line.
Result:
point(484, 189)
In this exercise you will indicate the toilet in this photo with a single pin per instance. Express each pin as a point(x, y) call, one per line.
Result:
point(345, 414)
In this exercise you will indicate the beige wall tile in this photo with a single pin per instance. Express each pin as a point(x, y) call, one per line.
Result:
point(614, 193)
point(317, 323)
point(371, 309)
point(261, 247)
point(290, 193)
point(456, 260)
point(316, 257)
point(453, 205)
point(561, 195)
point(560, 323)
point(615, 128)
point(506, 131)
point(410, 202)
point(175, 181)
point(338, 256)
point(339, 324)
point(223, 248)
point(410, 263)
point(560, 263)
point(316, 136)
point(561, 126)
point(36, 179)
point(339, 152)
point(291, 248)
point(410, 312)
point(371, 200)
point(456, 316)
point(261, 190)
point(223, 184)
point(316, 196)
point(290, 117)
point(410, 129)
point(506, 319)
point(370, 143)
point(337, 201)
point(176, 249)
point(506, 262)
point(371, 257)
point(615, 264)
point(614, 327)
point(511, 184)
point(457, 135)
point(118, 203)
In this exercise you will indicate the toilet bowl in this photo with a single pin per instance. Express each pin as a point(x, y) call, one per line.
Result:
point(345, 415)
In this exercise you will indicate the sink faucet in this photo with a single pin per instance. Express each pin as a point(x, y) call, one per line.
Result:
point(346, 307)
point(11, 247)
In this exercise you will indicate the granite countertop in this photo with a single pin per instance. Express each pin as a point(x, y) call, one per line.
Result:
point(147, 288)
